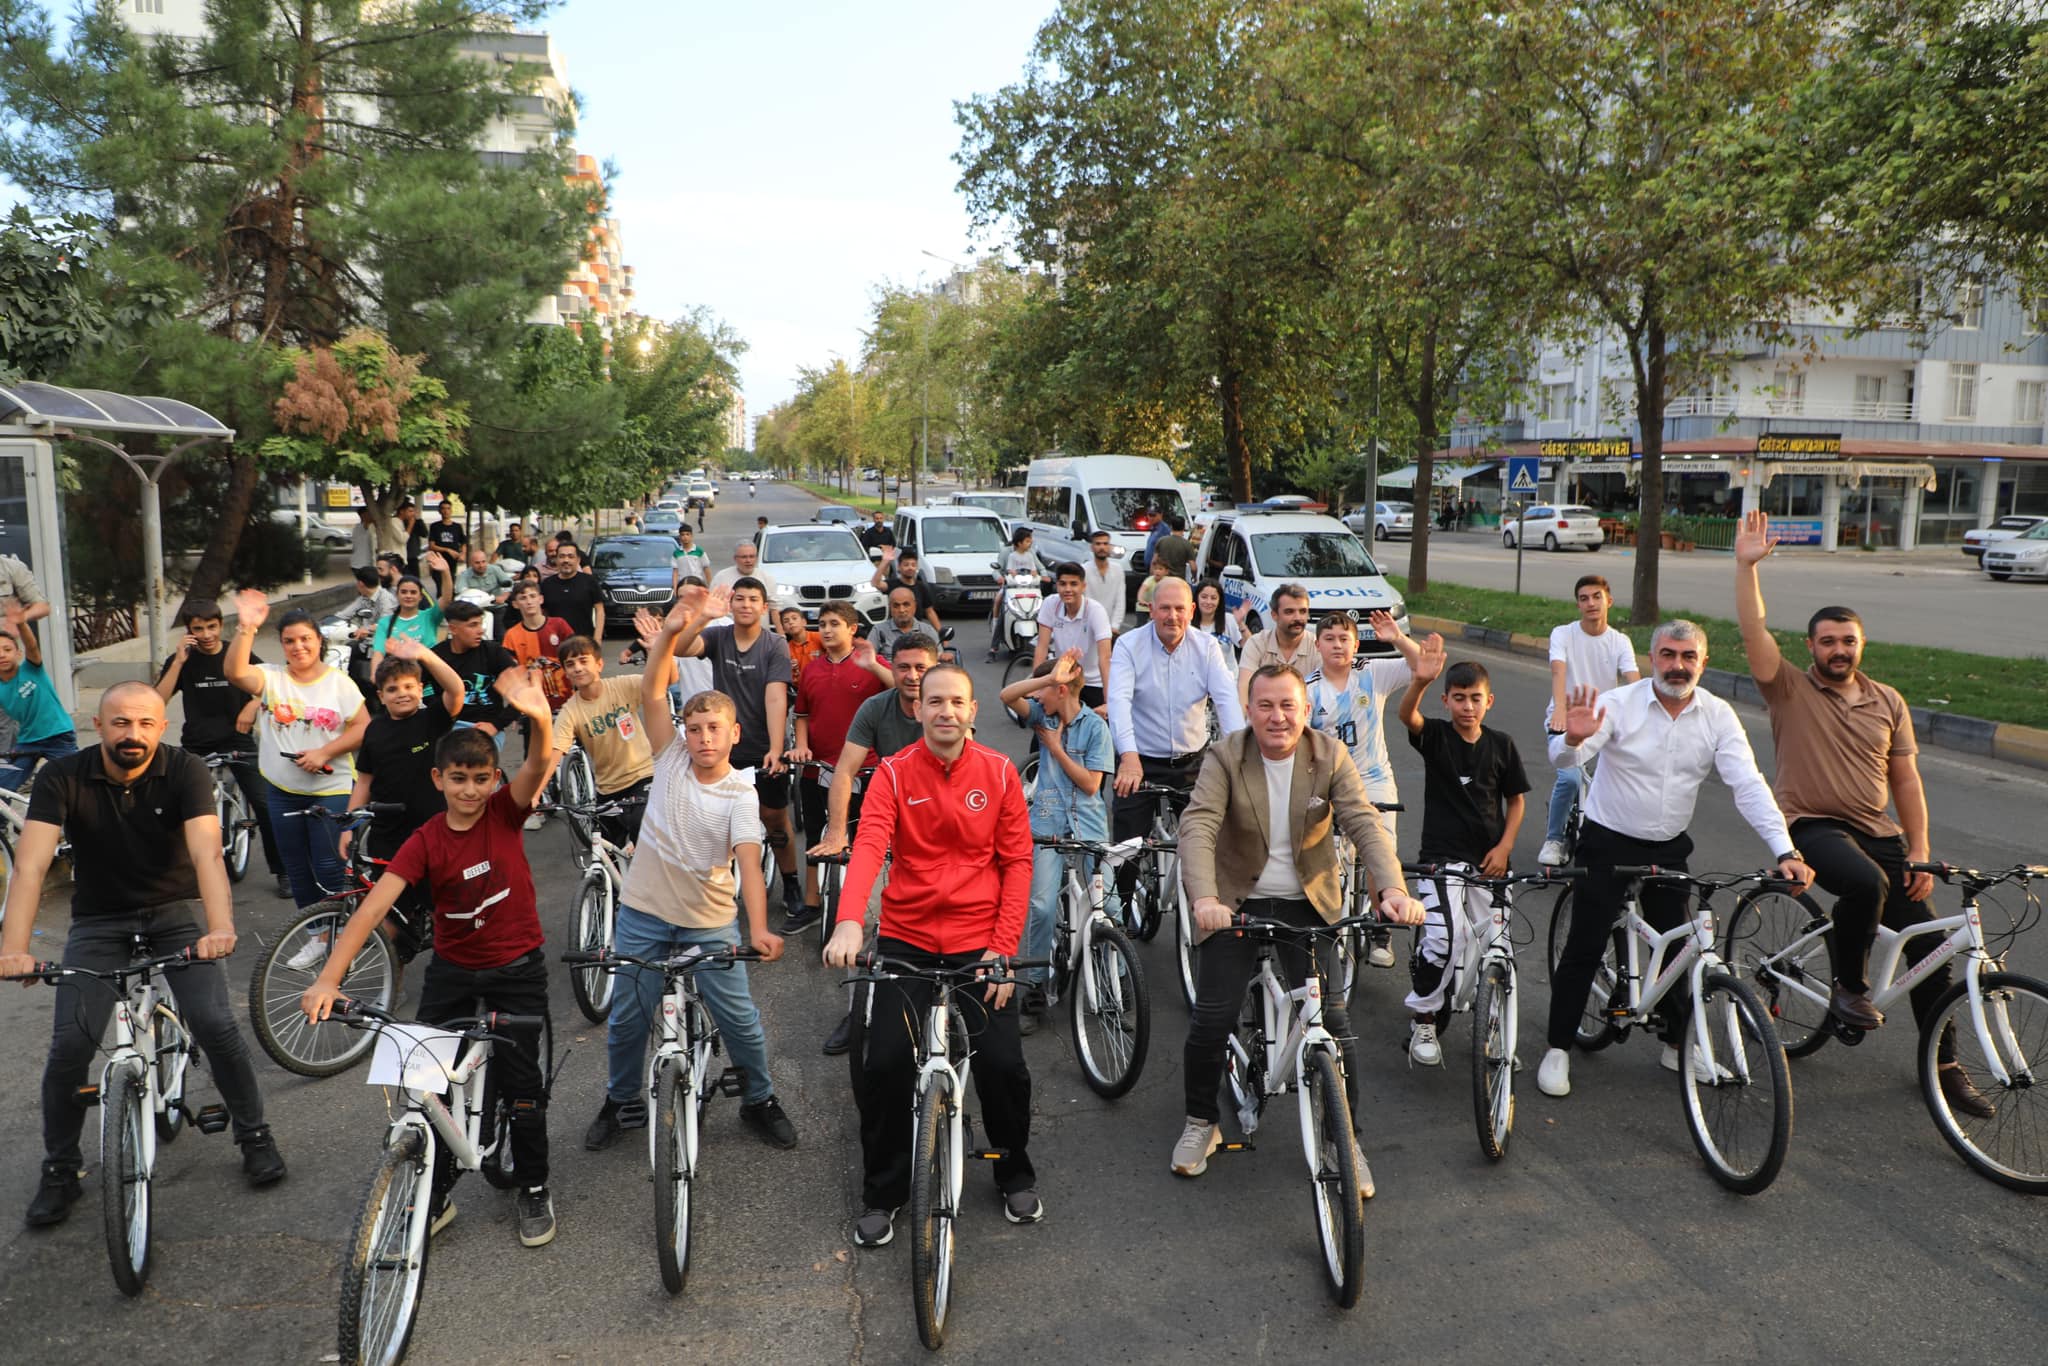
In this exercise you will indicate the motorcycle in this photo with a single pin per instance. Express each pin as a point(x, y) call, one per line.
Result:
point(1016, 625)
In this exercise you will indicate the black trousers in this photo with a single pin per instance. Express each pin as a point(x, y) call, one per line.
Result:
point(624, 828)
point(1867, 875)
point(520, 987)
point(1224, 968)
point(888, 1020)
point(83, 1007)
point(255, 790)
point(1132, 815)
point(1596, 905)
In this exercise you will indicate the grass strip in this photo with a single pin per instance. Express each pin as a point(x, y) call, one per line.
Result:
point(865, 502)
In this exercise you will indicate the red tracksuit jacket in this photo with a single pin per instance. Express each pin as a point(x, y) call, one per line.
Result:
point(960, 839)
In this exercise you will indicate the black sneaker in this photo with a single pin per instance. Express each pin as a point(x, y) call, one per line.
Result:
point(262, 1163)
point(766, 1119)
point(801, 919)
point(792, 895)
point(1023, 1207)
point(536, 1216)
point(612, 1120)
point(55, 1195)
point(841, 1037)
point(875, 1227)
point(284, 887)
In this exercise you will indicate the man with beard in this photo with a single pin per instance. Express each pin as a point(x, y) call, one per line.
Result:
point(1845, 752)
point(1287, 641)
point(1657, 739)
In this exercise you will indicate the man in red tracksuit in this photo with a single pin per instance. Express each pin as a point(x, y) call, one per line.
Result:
point(951, 815)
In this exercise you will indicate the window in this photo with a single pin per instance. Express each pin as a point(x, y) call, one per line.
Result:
point(822, 546)
point(1790, 387)
point(963, 535)
point(1557, 402)
point(1969, 309)
point(615, 556)
point(1312, 555)
point(1134, 509)
point(1869, 396)
point(1047, 504)
point(1962, 392)
point(2026, 402)
point(149, 6)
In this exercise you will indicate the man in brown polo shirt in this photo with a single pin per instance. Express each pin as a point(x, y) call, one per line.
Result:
point(1845, 752)
point(1287, 641)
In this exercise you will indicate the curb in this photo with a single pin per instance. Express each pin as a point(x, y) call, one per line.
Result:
point(2001, 740)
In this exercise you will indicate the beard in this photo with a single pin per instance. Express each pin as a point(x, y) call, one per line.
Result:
point(1837, 667)
point(131, 753)
point(1675, 686)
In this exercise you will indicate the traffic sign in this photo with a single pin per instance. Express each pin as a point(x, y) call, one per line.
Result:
point(1522, 474)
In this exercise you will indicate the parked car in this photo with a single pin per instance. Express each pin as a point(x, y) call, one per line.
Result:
point(1253, 550)
point(702, 491)
point(1008, 506)
point(812, 565)
point(2024, 556)
point(959, 550)
point(317, 532)
point(662, 519)
point(633, 572)
point(1554, 528)
point(669, 505)
point(1383, 521)
point(839, 514)
point(2004, 529)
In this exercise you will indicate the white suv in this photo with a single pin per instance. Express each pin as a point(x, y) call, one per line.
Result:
point(813, 564)
point(1252, 551)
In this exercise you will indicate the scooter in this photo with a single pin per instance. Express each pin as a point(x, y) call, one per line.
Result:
point(1015, 628)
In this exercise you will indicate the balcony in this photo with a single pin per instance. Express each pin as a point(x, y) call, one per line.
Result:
point(1762, 405)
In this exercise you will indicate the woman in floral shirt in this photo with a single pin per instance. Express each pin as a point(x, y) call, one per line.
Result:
point(313, 718)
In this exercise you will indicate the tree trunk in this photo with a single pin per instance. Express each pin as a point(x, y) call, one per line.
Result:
point(1643, 606)
point(1236, 448)
point(211, 574)
point(1423, 492)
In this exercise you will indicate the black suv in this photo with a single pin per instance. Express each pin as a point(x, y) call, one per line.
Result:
point(633, 572)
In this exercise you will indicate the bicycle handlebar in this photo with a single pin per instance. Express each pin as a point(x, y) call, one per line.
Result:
point(48, 972)
point(1464, 873)
point(873, 967)
point(363, 1015)
point(1952, 873)
point(690, 960)
point(1712, 882)
point(1253, 924)
point(611, 808)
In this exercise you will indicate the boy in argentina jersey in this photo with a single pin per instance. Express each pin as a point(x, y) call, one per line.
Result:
point(1348, 701)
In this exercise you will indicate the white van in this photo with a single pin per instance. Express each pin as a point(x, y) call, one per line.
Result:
point(1252, 550)
point(1066, 498)
point(959, 550)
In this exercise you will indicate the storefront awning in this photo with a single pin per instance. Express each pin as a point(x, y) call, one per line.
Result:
point(1442, 477)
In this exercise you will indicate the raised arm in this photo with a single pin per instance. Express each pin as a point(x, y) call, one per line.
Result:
point(252, 609)
point(453, 691)
point(167, 681)
point(1427, 667)
point(1587, 727)
point(661, 666)
point(524, 695)
point(1754, 543)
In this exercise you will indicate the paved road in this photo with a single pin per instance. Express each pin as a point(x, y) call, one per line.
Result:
point(1599, 1232)
point(1925, 598)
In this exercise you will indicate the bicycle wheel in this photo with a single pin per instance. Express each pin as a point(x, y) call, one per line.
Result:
point(173, 1055)
point(386, 1266)
point(295, 1044)
point(934, 1178)
point(1150, 897)
point(233, 811)
point(675, 1160)
point(1333, 1176)
point(1016, 671)
point(1184, 946)
point(124, 1174)
point(1741, 1121)
point(1595, 1030)
point(1112, 1017)
point(2008, 1146)
point(579, 779)
point(591, 932)
point(1028, 775)
point(1771, 940)
point(1493, 1059)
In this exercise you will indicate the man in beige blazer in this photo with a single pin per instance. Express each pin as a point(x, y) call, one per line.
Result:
point(1238, 856)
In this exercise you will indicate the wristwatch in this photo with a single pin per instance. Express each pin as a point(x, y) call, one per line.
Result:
point(1791, 854)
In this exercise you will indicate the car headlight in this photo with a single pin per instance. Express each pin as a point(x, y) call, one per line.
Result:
point(943, 574)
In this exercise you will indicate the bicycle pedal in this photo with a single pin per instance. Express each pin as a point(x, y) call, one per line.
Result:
point(208, 1119)
point(989, 1154)
point(1243, 1145)
point(1849, 1034)
point(88, 1096)
point(732, 1082)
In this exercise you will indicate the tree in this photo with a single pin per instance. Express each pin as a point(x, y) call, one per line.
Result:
point(304, 168)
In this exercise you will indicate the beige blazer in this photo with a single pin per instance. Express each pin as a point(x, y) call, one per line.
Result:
point(1225, 832)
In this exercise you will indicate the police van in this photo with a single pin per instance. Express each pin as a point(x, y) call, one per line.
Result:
point(1069, 498)
point(1254, 548)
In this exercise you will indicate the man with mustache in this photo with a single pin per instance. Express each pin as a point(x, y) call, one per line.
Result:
point(1657, 739)
point(146, 863)
point(1846, 752)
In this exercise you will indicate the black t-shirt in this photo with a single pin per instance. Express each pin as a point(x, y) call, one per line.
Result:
point(574, 600)
point(415, 538)
point(399, 757)
point(744, 676)
point(211, 703)
point(925, 600)
point(1466, 785)
point(872, 536)
point(128, 843)
point(478, 669)
point(450, 538)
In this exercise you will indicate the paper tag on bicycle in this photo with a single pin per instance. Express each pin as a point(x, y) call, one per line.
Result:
point(418, 1057)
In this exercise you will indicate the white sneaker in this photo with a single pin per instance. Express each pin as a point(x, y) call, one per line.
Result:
point(1422, 1045)
point(1381, 954)
point(1554, 1073)
point(1704, 1072)
point(1197, 1140)
point(311, 956)
point(1551, 855)
point(536, 820)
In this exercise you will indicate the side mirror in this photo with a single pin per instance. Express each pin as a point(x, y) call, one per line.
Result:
point(1233, 571)
point(875, 555)
point(945, 635)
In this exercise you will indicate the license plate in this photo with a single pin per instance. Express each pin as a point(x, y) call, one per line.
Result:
point(980, 594)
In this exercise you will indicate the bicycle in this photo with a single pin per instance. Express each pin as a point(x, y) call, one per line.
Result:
point(1112, 1008)
point(1279, 1045)
point(1356, 944)
point(574, 786)
point(1159, 880)
point(1729, 1057)
point(597, 905)
point(141, 1095)
point(940, 1147)
point(679, 1081)
point(237, 821)
point(1780, 942)
point(294, 960)
point(1481, 980)
point(831, 867)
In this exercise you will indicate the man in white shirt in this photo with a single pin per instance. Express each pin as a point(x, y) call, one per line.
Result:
point(1070, 620)
point(1657, 739)
point(1104, 578)
point(746, 564)
point(1587, 653)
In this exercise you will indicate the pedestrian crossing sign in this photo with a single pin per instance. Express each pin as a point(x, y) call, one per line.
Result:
point(1522, 474)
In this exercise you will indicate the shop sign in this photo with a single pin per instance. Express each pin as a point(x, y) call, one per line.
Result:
point(1586, 448)
point(1797, 530)
point(1800, 445)
point(1698, 467)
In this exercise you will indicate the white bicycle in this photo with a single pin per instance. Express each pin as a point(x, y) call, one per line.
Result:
point(237, 821)
point(1095, 961)
point(597, 904)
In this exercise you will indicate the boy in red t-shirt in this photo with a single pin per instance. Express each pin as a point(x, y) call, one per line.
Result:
point(487, 935)
point(843, 674)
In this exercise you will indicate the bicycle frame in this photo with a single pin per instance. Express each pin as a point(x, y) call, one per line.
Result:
point(1092, 892)
point(675, 1042)
point(140, 1001)
point(1694, 960)
point(1300, 1011)
point(466, 1096)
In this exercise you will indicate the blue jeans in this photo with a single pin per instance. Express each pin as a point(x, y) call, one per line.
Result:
point(14, 775)
point(638, 994)
point(1570, 787)
point(306, 844)
point(1048, 878)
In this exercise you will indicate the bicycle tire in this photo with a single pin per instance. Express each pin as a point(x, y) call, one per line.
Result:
point(1333, 1178)
point(1149, 894)
point(1244, 1059)
point(1763, 925)
point(233, 811)
point(1016, 671)
point(933, 1164)
point(1185, 949)
point(2017, 1006)
point(387, 1250)
point(1493, 1059)
point(590, 932)
point(675, 1160)
point(1726, 1141)
point(124, 1175)
point(173, 1059)
point(1595, 1029)
point(1113, 1030)
point(293, 1043)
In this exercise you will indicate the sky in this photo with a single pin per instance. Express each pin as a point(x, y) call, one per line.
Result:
point(779, 159)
